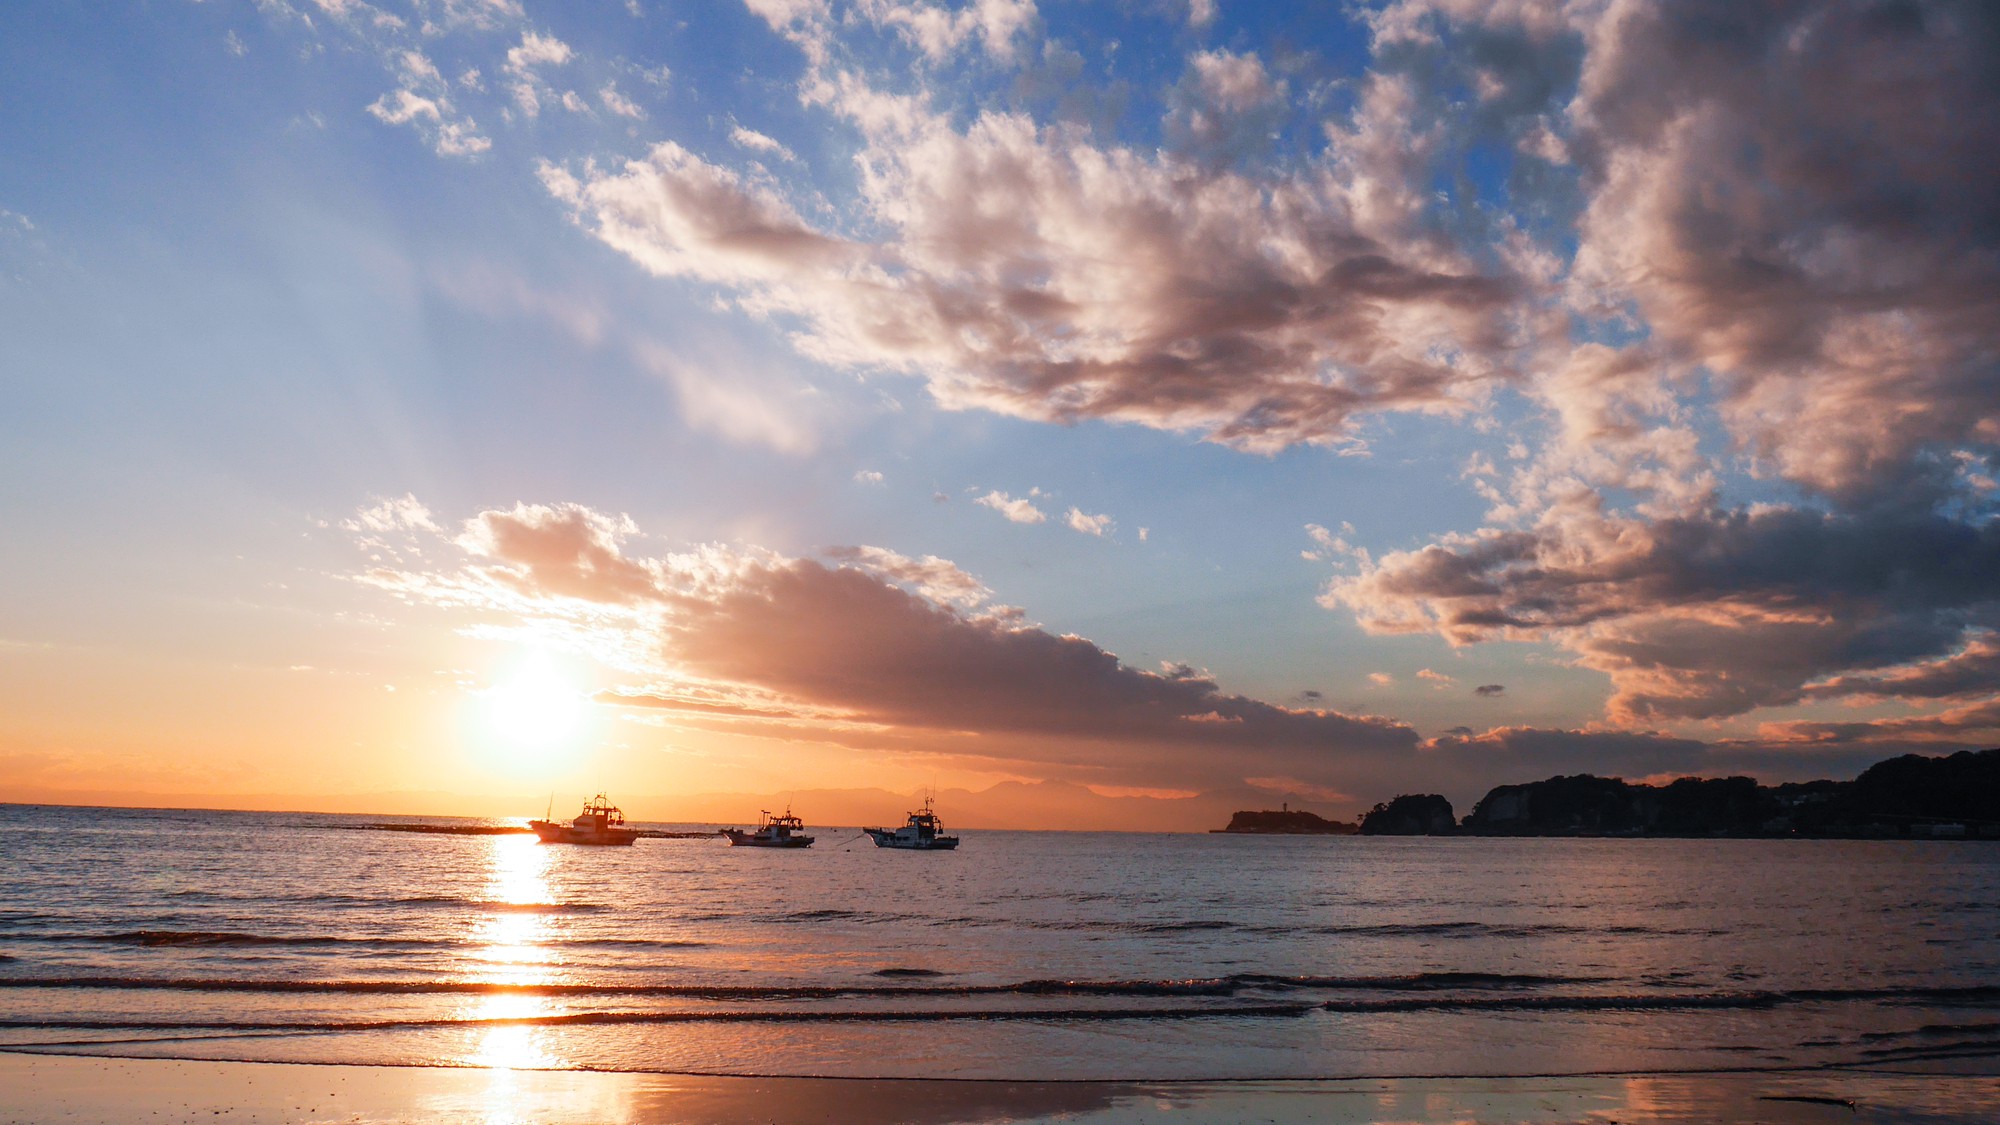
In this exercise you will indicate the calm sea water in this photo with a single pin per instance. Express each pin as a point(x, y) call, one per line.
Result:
point(1023, 955)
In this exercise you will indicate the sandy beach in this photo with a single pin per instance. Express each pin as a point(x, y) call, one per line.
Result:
point(81, 1091)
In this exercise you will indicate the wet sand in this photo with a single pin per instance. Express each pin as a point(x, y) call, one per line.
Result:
point(50, 1088)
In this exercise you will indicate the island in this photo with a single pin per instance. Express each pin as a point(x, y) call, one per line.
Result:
point(1951, 797)
point(1412, 814)
point(1285, 821)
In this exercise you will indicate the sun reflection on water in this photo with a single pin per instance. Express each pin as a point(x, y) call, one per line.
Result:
point(512, 949)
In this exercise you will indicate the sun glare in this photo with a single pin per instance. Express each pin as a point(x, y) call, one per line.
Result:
point(535, 707)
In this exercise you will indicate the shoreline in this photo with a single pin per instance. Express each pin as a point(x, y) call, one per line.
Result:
point(82, 1089)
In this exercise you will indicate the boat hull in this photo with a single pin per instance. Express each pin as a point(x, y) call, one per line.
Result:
point(549, 832)
point(752, 840)
point(886, 839)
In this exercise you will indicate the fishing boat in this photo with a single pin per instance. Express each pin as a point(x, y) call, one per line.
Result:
point(924, 833)
point(600, 822)
point(776, 832)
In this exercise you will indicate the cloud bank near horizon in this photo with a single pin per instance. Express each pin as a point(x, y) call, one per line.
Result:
point(877, 652)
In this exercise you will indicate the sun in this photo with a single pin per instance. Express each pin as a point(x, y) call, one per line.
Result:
point(535, 707)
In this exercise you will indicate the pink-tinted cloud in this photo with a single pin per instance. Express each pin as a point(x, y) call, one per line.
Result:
point(1789, 205)
point(1972, 670)
point(879, 642)
point(1033, 271)
point(1080, 520)
point(1020, 509)
point(1798, 197)
point(879, 652)
point(1708, 615)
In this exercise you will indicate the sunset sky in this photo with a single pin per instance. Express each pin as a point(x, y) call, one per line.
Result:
point(426, 406)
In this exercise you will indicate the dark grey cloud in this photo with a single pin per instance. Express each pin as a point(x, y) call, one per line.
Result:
point(1716, 613)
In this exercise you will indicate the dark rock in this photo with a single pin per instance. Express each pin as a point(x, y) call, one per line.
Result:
point(1286, 822)
point(1425, 814)
point(1951, 797)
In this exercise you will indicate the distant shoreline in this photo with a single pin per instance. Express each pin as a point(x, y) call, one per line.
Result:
point(1952, 797)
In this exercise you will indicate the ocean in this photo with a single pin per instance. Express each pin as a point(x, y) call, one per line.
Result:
point(1023, 955)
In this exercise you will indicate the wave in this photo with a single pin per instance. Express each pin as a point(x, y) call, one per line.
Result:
point(626, 943)
point(488, 905)
point(1457, 929)
point(1421, 991)
point(219, 937)
point(1955, 1041)
point(231, 938)
point(1204, 987)
point(788, 1016)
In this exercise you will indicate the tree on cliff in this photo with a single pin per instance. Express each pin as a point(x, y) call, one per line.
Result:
point(1412, 814)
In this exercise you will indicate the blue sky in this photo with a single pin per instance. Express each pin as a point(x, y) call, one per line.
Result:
point(265, 266)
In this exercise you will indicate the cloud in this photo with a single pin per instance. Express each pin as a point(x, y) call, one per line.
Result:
point(1021, 510)
point(758, 142)
point(882, 642)
point(402, 513)
point(619, 104)
point(1226, 107)
point(938, 579)
point(1972, 670)
point(523, 62)
point(1742, 278)
point(678, 215)
point(480, 15)
point(1705, 615)
point(751, 407)
point(1078, 520)
point(1972, 722)
point(537, 50)
point(431, 112)
point(1232, 81)
point(1778, 211)
point(562, 551)
point(939, 32)
point(882, 652)
point(1032, 271)
point(868, 476)
point(400, 107)
point(1797, 198)
point(1489, 690)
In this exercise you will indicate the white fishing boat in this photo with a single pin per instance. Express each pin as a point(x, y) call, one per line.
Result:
point(785, 831)
point(924, 833)
point(601, 822)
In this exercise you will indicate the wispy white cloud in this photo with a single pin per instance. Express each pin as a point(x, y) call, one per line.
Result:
point(758, 142)
point(1018, 509)
point(619, 104)
point(1079, 520)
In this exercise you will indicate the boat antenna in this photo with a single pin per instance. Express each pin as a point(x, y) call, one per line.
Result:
point(550, 815)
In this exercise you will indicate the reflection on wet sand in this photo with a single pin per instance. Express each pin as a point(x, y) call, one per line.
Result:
point(83, 1091)
point(670, 1100)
